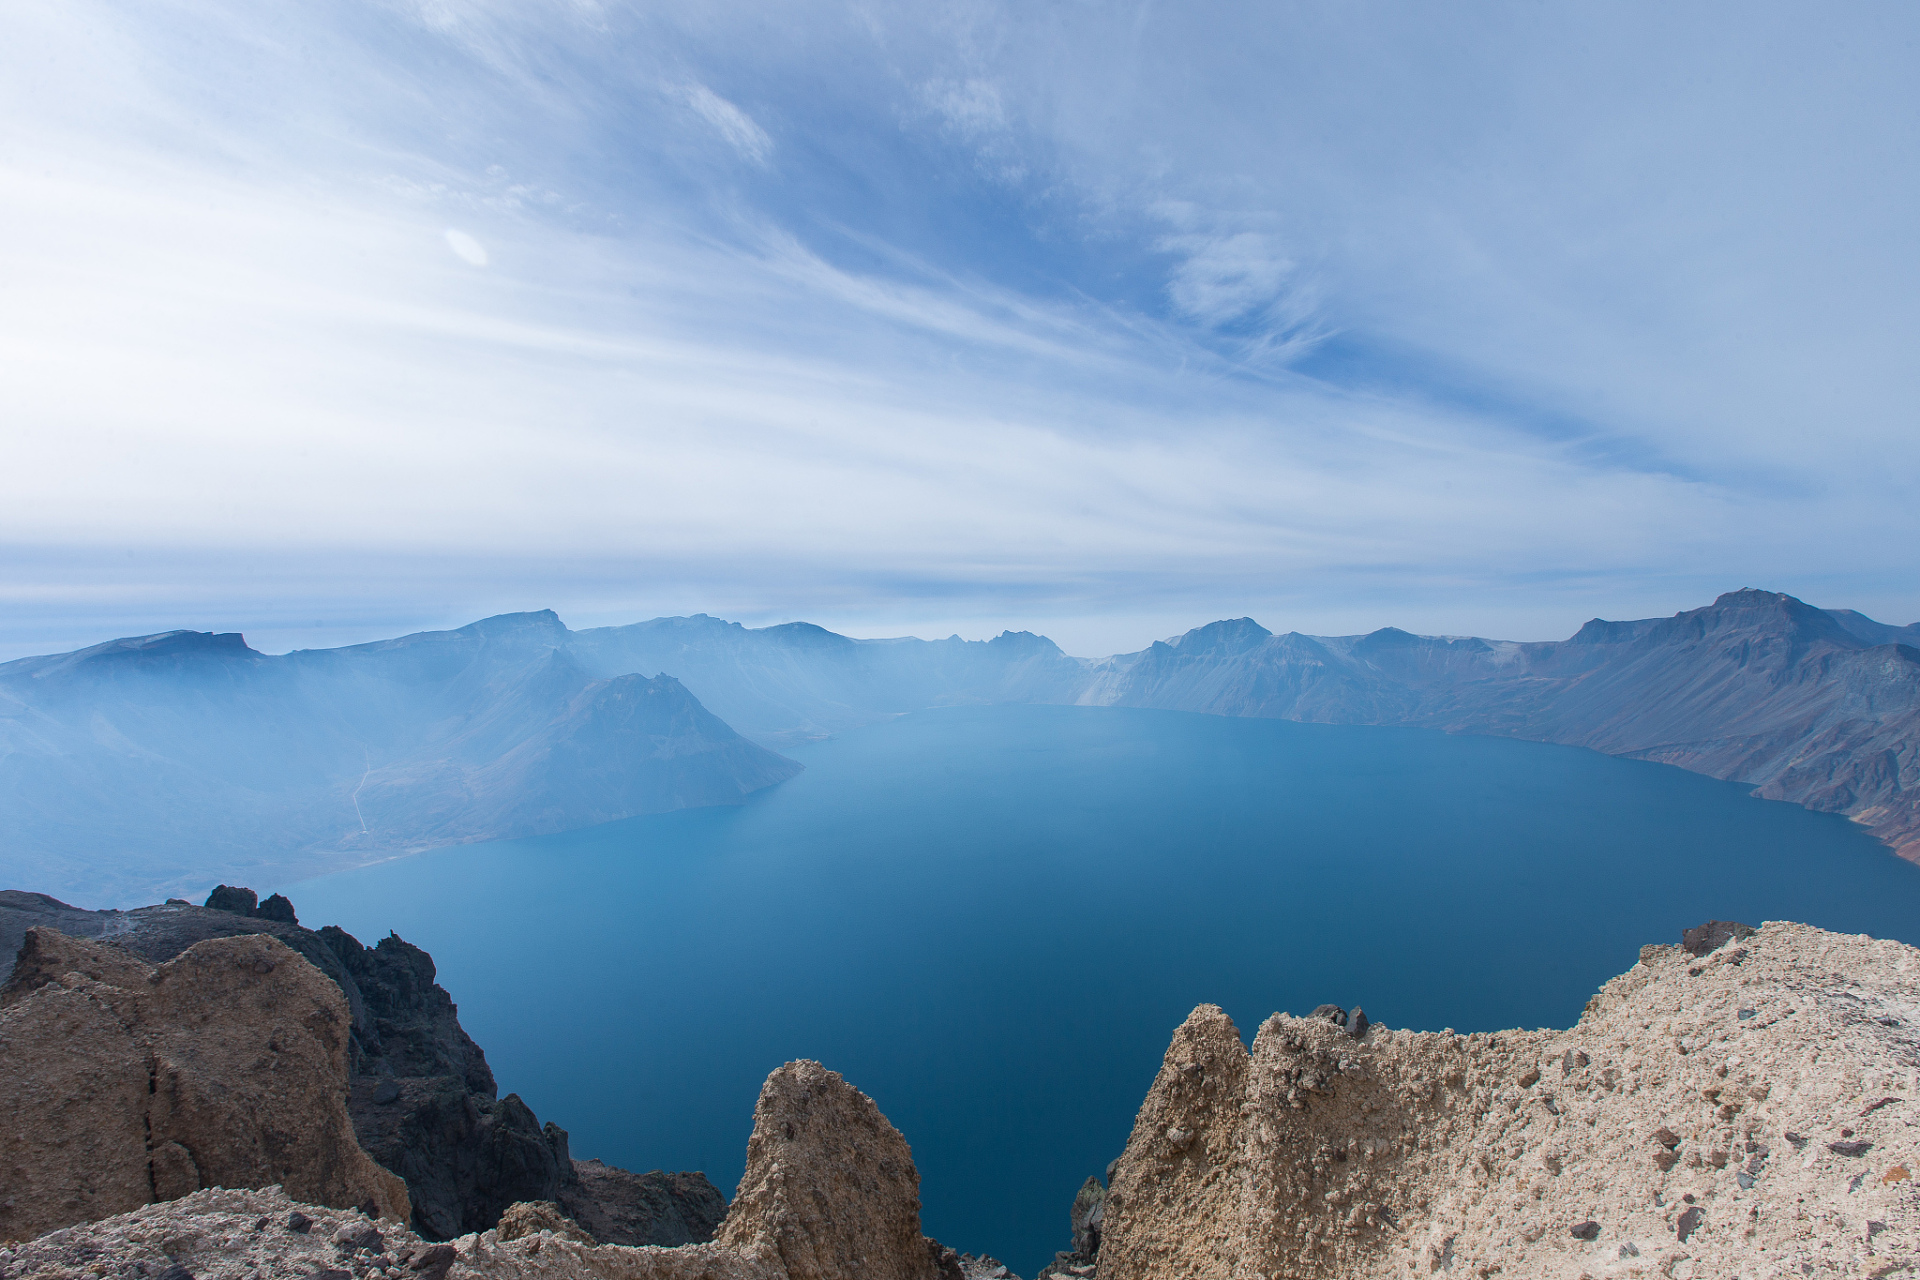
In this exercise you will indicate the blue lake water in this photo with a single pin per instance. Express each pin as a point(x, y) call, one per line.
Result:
point(991, 919)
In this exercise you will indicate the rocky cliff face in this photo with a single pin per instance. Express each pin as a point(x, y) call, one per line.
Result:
point(830, 1193)
point(421, 1097)
point(1738, 1106)
point(1739, 1112)
point(192, 750)
point(127, 1083)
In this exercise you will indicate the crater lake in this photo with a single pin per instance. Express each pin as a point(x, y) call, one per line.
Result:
point(991, 919)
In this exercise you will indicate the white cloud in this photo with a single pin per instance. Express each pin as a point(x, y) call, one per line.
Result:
point(733, 124)
point(971, 106)
point(224, 333)
point(465, 247)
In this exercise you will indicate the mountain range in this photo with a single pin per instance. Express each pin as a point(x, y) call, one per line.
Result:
point(145, 764)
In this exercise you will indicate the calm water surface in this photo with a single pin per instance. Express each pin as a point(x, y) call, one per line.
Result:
point(991, 919)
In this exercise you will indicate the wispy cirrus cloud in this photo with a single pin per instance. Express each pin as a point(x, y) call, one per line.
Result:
point(1104, 324)
point(739, 129)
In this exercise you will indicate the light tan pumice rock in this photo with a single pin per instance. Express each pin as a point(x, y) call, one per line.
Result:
point(1698, 1121)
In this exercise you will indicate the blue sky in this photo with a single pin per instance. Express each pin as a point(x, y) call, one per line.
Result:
point(332, 321)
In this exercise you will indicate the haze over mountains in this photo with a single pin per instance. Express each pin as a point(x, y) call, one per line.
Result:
point(143, 766)
point(140, 765)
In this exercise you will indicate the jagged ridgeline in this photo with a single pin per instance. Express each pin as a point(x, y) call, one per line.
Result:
point(194, 752)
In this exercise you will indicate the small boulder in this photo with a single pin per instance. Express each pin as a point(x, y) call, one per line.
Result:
point(363, 1236)
point(1588, 1230)
point(1330, 1013)
point(228, 897)
point(531, 1216)
point(277, 907)
point(433, 1262)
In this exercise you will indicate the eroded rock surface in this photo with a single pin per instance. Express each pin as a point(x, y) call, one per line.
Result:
point(830, 1193)
point(1750, 1111)
point(830, 1189)
point(619, 1207)
point(423, 1099)
point(127, 1083)
point(219, 1233)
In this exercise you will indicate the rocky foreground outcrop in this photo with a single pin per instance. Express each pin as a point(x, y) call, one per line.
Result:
point(830, 1191)
point(126, 1083)
point(421, 1096)
point(1749, 1111)
point(1745, 1105)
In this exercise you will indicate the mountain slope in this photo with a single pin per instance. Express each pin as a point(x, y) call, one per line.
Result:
point(1758, 687)
point(159, 763)
point(797, 681)
point(150, 765)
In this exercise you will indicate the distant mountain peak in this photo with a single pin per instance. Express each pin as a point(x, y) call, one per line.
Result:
point(1751, 598)
point(544, 623)
point(1022, 641)
point(807, 634)
point(1227, 635)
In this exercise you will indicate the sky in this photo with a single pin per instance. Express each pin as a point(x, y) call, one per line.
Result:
point(334, 321)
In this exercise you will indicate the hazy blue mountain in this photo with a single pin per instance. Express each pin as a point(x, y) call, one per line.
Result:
point(139, 765)
point(1818, 707)
point(151, 765)
point(798, 681)
point(1865, 628)
point(1805, 705)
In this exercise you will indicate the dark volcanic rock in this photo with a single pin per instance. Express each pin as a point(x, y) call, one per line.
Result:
point(1085, 1219)
point(617, 1207)
point(21, 911)
point(241, 902)
point(277, 908)
point(1703, 938)
point(1089, 1210)
point(422, 1098)
point(424, 1102)
point(227, 897)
